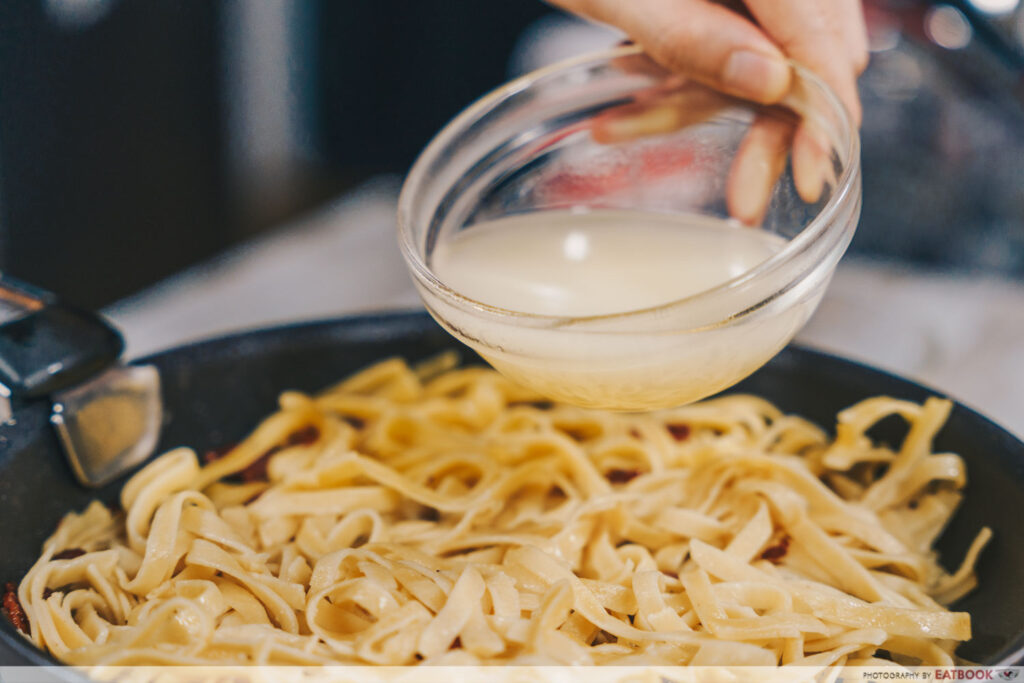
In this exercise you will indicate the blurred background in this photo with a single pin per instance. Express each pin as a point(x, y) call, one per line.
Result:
point(198, 166)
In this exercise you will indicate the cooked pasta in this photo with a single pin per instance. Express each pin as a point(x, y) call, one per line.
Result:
point(444, 515)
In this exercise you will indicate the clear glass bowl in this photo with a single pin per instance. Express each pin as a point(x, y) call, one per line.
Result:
point(530, 146)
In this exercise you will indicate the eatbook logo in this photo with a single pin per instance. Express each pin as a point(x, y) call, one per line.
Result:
point(1008, 674)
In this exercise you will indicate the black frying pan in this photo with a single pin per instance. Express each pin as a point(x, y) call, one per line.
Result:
point(215, 392)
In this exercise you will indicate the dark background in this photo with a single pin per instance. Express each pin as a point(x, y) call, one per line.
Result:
point(112, 141)
point(114, 154)
point(111, 170)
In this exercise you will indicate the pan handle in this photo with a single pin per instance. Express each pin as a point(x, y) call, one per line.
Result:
point(46, 345)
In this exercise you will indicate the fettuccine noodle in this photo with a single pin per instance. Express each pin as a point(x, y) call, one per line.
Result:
point(446, 516)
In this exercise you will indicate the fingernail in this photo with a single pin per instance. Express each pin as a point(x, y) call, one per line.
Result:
point(647, 120)
point(752, 181)
point(750, 191)
point(757, 76)
point(812, 164)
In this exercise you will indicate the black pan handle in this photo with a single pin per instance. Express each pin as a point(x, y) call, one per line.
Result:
point(47, 345)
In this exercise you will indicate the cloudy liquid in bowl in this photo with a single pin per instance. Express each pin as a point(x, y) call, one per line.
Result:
point(568, 264)
point(598, 262)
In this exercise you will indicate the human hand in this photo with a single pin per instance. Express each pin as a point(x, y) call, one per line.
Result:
point(742, 49)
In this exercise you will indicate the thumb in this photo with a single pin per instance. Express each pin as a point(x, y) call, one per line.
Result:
point(699, 39)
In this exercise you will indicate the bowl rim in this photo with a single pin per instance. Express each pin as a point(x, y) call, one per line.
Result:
point(810, 235)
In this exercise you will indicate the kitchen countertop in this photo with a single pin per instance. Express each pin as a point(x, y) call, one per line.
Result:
point(963, 335)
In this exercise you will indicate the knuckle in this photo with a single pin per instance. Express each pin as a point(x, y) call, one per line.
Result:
point(674, 45)
point(860, 61)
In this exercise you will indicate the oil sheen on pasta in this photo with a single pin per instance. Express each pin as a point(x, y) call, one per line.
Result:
point(597, 263)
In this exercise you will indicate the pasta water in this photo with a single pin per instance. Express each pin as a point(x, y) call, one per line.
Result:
point(597, 263)
point(581, 269)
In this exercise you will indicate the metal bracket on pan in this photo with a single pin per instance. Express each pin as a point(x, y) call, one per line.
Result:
point(107, 415)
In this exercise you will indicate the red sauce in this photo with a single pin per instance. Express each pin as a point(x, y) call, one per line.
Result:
point(217, 453)
point(257, 470)
point(679, 432)
point(776, 552)
point(15, 614)
point(619, 476)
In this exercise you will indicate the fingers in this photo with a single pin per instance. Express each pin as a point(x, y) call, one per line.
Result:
point(759, 163)
point(725, 48)
point(812, 162)
point(855, 33)
point(761, 159)
point(699, 39)
point(829, 38)
point(660, 113)
point(809, 32)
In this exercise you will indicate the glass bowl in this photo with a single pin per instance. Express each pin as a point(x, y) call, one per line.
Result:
point(540, 144)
